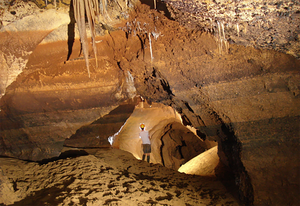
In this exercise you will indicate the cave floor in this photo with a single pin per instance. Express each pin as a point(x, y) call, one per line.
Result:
point(104, 177)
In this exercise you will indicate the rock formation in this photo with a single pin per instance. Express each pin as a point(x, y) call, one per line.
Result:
point(105, 177)
point(262, 24)
point(243, 98)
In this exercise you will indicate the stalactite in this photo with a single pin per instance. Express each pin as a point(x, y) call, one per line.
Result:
point(79, 14)
point(150, 45)
point(91, 10)
point(142, 29)
point(103, 5)
point(245, 27)
point(221, 38)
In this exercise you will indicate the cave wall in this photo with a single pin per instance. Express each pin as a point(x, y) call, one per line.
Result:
point(53, 98)
point(41, 109)
point(23, 26)
point(175, 144)
point(48, 95)
point(244, 98)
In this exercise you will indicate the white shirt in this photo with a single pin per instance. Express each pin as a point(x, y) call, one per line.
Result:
point(144, 135)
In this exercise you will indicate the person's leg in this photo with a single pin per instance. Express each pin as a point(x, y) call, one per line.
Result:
point(148, 157)
point(144, 151)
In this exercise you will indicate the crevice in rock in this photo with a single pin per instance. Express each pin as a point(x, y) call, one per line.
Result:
point(155, 87)
point(201, 135)
point(72, 153)
point(162, 146)
point(142, 40)
point(163, 81)
point(71, 30)
point(231, 146)
point(179, 149)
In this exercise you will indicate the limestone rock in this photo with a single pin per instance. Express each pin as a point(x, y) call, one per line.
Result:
point(204, 164)
point(24, 27)
point(271, 24)
point(106, 176)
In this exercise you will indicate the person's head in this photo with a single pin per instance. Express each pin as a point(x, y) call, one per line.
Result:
point(142, 126)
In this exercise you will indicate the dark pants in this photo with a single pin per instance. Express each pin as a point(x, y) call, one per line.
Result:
point(147, 148)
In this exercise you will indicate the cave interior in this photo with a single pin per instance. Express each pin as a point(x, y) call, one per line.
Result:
point(217, 84)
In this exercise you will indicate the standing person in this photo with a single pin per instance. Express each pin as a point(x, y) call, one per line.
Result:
point(144, 135)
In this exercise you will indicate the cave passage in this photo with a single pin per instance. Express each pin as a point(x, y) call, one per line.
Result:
point(174, 145)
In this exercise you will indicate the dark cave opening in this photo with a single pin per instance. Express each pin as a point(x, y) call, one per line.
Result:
point(160, 7)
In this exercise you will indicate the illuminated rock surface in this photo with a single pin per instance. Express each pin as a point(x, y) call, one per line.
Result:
point(105, 177)
point(172, 144)
point(203, 165)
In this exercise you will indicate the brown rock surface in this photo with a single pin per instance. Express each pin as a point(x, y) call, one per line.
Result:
point(53, 99)
point(105, 177)
point(263, 24)
point(97, 133)
point(204, 164)
point(226, 96)
point(172, 144)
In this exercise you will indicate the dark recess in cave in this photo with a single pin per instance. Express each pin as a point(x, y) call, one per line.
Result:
point(232, 148)
point(65, 155)
point(201, 135)
point(71, 30)
point(160, 7)
point(93, 134)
